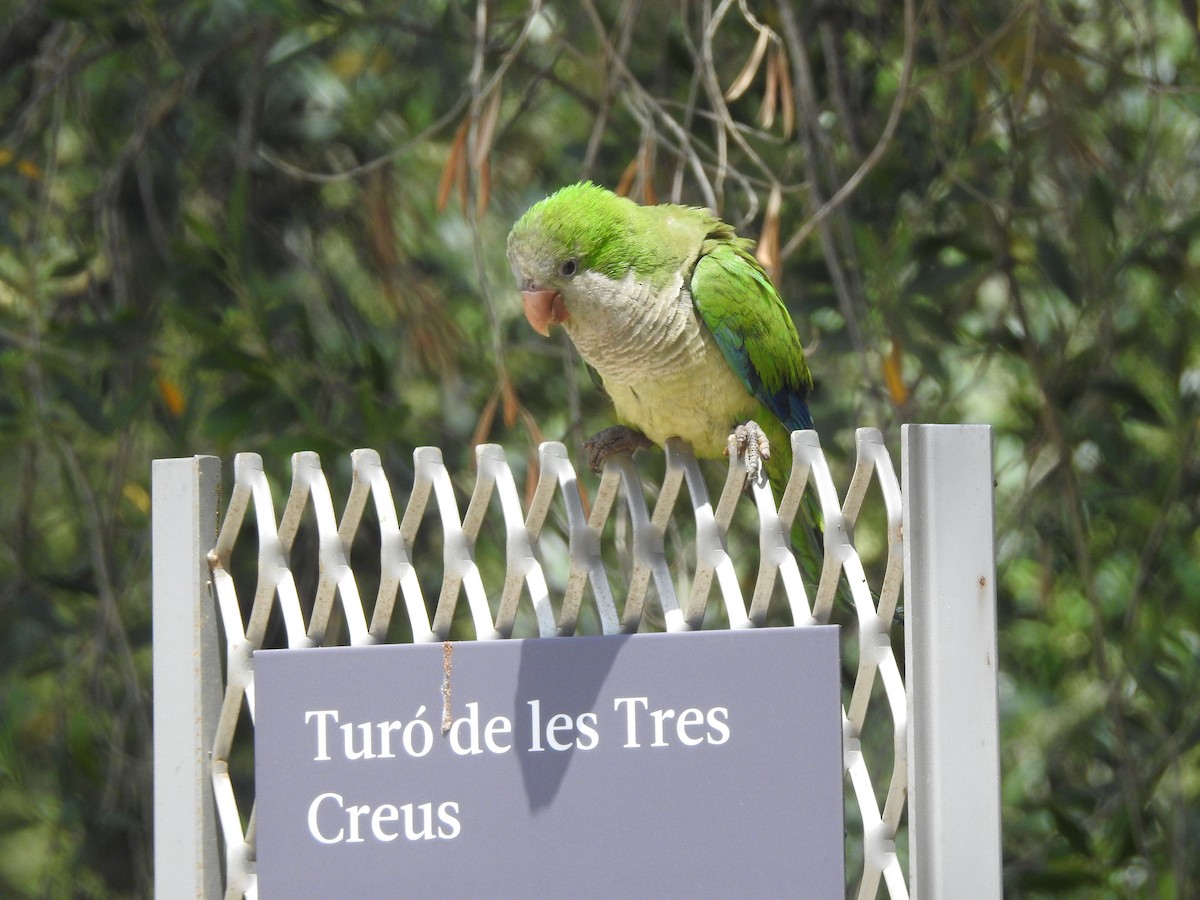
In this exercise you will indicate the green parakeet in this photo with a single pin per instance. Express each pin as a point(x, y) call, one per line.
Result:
point(687, 333)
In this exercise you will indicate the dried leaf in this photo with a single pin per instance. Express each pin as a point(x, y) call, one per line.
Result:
point(767, 251)
point(453, 164)
point(382, 241)
point(460, 174)
point(625, 182)
point(643, 165)
point(484, 426)
point(892, 376)
point(483, 191)
point(484, 134)
point(531, 427)
point(172, 396)
point(648, 193)
point(766, 112)
point(511, 404)
point(486, 129)
point(787, 100)
point(746, 77)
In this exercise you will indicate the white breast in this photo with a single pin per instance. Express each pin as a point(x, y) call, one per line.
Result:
point(658, 361)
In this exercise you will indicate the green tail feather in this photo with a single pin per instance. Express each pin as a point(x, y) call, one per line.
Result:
point(808, 528)
point(808, 531)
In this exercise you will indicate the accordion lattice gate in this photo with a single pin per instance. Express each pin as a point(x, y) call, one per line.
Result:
point(547, 595)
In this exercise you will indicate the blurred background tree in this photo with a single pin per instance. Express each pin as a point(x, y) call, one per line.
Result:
point(279, 224)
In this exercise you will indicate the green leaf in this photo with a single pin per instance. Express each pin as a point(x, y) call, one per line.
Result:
point(1055, 265)
point(1127, 395)
point(939, 279)
point(1073, 832)
point(84, 404)
point(1061, 874)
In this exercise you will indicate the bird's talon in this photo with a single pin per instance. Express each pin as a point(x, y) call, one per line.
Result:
point(750, 442)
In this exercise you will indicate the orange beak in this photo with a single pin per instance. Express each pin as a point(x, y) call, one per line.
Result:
point(543, 309)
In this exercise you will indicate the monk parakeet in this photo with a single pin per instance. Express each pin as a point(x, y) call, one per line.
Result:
point(687, 333)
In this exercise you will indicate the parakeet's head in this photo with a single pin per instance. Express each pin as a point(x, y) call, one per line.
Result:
point(580, 230)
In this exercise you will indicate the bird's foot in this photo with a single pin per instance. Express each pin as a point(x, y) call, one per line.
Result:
point(612, 440)
point(750, 441)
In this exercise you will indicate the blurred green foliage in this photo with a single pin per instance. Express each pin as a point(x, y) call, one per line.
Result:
point(278, 224)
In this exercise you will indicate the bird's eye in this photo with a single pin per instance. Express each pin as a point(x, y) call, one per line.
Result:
point(568, 268)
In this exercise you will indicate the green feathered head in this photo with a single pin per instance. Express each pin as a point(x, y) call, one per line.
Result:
point(585, 228)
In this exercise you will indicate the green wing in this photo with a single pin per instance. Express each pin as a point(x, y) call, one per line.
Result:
point(750, 324)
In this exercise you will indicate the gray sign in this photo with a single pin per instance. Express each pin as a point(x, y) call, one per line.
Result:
point(705, 764)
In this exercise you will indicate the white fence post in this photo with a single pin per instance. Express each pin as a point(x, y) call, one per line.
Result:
point(951, 663)
point(187, 677)
point(950, 642)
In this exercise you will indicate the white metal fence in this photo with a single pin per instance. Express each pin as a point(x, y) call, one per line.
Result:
point(939, 750)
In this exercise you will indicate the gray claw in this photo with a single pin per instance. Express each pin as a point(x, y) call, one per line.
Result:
point(750, 441)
